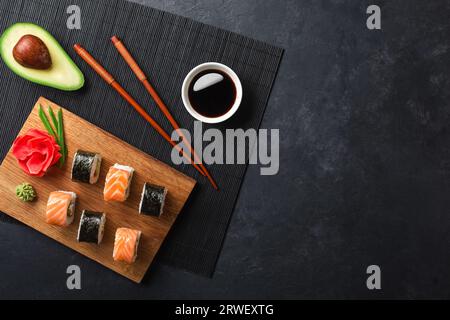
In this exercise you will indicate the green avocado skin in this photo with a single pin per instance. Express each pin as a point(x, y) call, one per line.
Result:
point(48, 38)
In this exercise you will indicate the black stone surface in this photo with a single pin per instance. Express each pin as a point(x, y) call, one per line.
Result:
point(364, 175)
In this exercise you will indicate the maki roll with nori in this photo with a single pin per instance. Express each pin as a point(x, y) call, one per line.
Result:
point(86, 166)
point(152, 200)
point(91, 227)
point(126, 245)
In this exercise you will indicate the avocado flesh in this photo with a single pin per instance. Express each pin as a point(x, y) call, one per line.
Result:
point(63, 73)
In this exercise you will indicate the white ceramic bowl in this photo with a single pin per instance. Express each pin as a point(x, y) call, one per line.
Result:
point(211, 66)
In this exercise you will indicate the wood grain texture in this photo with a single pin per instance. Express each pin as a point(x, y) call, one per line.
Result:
point(83, 135)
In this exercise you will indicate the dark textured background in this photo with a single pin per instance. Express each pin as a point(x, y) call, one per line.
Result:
point(365, 165)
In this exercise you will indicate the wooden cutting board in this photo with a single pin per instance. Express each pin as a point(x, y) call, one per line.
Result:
point(83, 135)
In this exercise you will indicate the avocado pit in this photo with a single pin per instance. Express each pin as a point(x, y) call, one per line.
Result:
point(31, 52)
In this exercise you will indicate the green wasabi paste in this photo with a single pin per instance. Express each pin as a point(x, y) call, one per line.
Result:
point(25, 192)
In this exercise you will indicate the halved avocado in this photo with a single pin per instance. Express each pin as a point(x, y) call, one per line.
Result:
point(63, 73)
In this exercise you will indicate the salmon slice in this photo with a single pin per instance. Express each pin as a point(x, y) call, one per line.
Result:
point(117, 183)
point(126, 245)
point(60, 208)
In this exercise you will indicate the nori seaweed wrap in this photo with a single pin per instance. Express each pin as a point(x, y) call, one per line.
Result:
point(152, 200)
point(86, 166)
point(91, 227)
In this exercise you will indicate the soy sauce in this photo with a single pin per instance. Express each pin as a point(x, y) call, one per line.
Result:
point(212, 93)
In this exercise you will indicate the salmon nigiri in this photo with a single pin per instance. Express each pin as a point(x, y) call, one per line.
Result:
point(60, 208)
point(117, 184)
point(126, 245)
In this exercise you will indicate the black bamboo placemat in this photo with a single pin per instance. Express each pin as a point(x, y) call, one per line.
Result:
point(166, 46)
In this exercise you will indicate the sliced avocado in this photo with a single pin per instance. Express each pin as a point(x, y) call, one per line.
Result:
point(63, 73)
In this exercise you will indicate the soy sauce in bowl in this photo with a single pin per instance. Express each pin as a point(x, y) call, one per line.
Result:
point(212, 93)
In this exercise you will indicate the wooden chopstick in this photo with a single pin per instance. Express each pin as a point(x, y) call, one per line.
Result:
point(111, 81)
point(161, 105)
